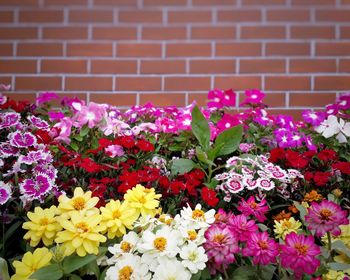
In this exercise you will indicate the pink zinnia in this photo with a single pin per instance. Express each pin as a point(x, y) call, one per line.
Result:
point(263, 249)
point(251, 207)
point(326, 216)
point(221, 244)
point(242, 226)
point(299, 254)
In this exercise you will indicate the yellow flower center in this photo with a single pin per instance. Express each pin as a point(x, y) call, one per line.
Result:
point(162, 218)
point(326, 214)
point(286, 224)
point(169, 221)
point(254, 205)
point(116, 214)
point(302, 249)
point(125, 273)
point(125, 246)
point(78, 203)
point(192, 235)
point(160, 243)
point(263, 244)
point(193, 256)
point(219, 238)
point(198, 214)
point(82, 227)
point(142, 199)
point(44, 222)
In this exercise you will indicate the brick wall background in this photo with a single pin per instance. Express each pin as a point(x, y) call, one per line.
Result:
point(172, 52)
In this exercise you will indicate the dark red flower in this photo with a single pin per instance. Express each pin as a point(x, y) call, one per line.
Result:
point(90, 166)
point(309, 154)
point(198, 174)
point(43, 136)
point(343, 167)
point(176, 187)
point(308, 175)
point(276, 155)
point(321, 178)
point(327, 155)
point(145, 145)
point(127, 142)
point(209, 197)
point(296, 160)
point(164, 182)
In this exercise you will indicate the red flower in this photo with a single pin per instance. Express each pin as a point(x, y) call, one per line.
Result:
point(197, 174)
point(308, 175)
point(343, 167)
point(276, 155)
point(176, 187)
point(43, 136)
point(90, 166)
point(125, 141)
point(296, 160)
point(321, 178)
point(209, 197)
point(164, 182)
point(327, 155)
point(309, 154)
point(145, 146)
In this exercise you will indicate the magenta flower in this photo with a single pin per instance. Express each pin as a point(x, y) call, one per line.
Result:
point(242, 227)
point(114, 151)
point(55, 115)
point(7, 150)
point(9, 119)
point(284, 121)
point(221, 98)
point(253, 96)
point(5, 192)
point(22, 140)
point(326, 216)
point(32, 157)
point(313, 118)
point(38, 123)
point(3, 99)
point(221, 244)
point(332, 109)
point(344, 102)
point(246, 147)
point(263, 249)
point(36, 188)
point(65, 128)
point(227, 121)
point(90, 115)
point(251, 207)
point(46, 97)
point(299, 254)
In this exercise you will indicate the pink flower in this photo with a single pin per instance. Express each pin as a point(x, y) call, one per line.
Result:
point(221, 98)
point(299, 254)
point(246, 147)
point(46, 97)
point(38, 123)
point(9, 119)
point(114, 151)
point(55, 115)
point(22, 140)
point(90, 115)
point(227, 121)
point(65, 127)
point(313, 118)
point(242, 227)
point(263, 249)
point(253, 96)
point(5, 192)
point(251, 207)
point(37, 187)
point(326, 216)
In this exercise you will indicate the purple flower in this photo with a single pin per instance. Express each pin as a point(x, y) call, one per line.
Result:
point(283, 137)
point(253, 96)
point(242, 227)
point(221, 98)
point(90, 115)
point(114, 151)
point(38, 123)
point(36, 188)
point(313, 118)
point(46, 169)
point(264, 121)
point(32, 157)
point(6, 150)
point(3, 99)
point(309, 143)
point(332, 109)
point(55, 115)
point(5, 192)
point(46, 97)
point(344, 102)
point(22, 140)
point(9, 119)
point(284, 121)
point(227, 121)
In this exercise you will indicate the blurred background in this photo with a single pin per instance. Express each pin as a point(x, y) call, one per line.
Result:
point(171, 52)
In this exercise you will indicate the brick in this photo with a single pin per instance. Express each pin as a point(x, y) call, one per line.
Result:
point(163, 66)
point(189, 16)
point(287, 83)
point(91, 49)
point(271, 99)
point(344, 65)
point(345, 32)
point(138, 83)
point(22, 96)
point(213, 32)
point(65, 2)
point(88, 83)
point(39, 49)
point(114, 33)
point(238, 49)
point(115, 2)
point(6, 50)
point(41, 16)
point(115, 99)
point(288, 15)
point(164, 33)
point(313, 2)
point(17, 66)
point(262, 66)
point(333, 49)
point(263, 2)
point(333, 15)
point(212, 66)
point(312, 66)
point(239, 16)
point(5, 80)
point(305, 32)
point(345, 2)
point(63, 66)
point(162, 100)
point(179, 50)
point(6, 16)
point(263, 32)
point(213, 2)
point(295, 113)
point(164, 2)
point(139, 50)
point(113, 66)
point(65, 33)
point(199, 98)
point(287, 49)
point(140, 16)
point(187, 83)
point(38, 83)
point(90, 16)
point(18, 33)
point(22, 3)
point(237, 82)
point(332, 83)
point(313, 99)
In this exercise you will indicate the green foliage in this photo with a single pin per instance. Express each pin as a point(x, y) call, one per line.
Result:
point(73, 263)
point(229, 139)
point(181, 166)
point(4, 274)
point(200, 128)
point(52, 272)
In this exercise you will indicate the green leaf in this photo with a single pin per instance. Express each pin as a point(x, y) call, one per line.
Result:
point(339, 266)
point(181, 166)
point(78, 138)
point(267, 272)
point(202, 156)
point(200, 128)
point(103, 274)
point(94, 143)
point(4, 273)
point(73, 263)
point(74, 146)
point(52, 272)
point(262, 227)
point(244, 273)
point(213, 153)
point(301, 209)
point(74, 277)
point(93, 268)
point(213, 183)
point(84, 131)
point(340, 246)
point(230, 138)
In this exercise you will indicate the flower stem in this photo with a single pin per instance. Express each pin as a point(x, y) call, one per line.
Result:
point(225, 273)
point(329, 238)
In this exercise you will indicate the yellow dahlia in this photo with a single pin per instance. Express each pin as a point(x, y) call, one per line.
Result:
point(143, 200)
point(81, 233)
point(117, 217)
point(31, 262)
point(286, 226)
point(42, 226)
point(79, 202)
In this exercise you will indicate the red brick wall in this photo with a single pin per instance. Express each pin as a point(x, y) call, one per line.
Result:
point(172, 52)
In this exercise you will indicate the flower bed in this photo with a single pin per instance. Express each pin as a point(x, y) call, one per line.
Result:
point(90, 192)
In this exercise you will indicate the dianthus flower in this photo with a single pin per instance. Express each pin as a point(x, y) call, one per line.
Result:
point(326, 216)
point(251, 207)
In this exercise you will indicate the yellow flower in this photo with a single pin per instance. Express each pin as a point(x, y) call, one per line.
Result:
point(42, 226)
point(143, 200)
point(286, 226)
point(334, 275)
point(79, 202)
point(344, 236)
point(81, 233)
point(117, 217)
point(31, 262)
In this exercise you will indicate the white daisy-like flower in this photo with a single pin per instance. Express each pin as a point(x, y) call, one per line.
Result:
point(171, 270)
point(197, 217)
point(128, 267)
point(127, 245)
point(146, 222)
point(194, 258)
point(190, 234)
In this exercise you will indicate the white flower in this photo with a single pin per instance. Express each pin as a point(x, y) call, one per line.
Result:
point(145, 222)
point(129, 267)
point(171, 270)
point(127, 245)
point(194, 258)
point(197, 217)
point(331, 127)
point(190, 234)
